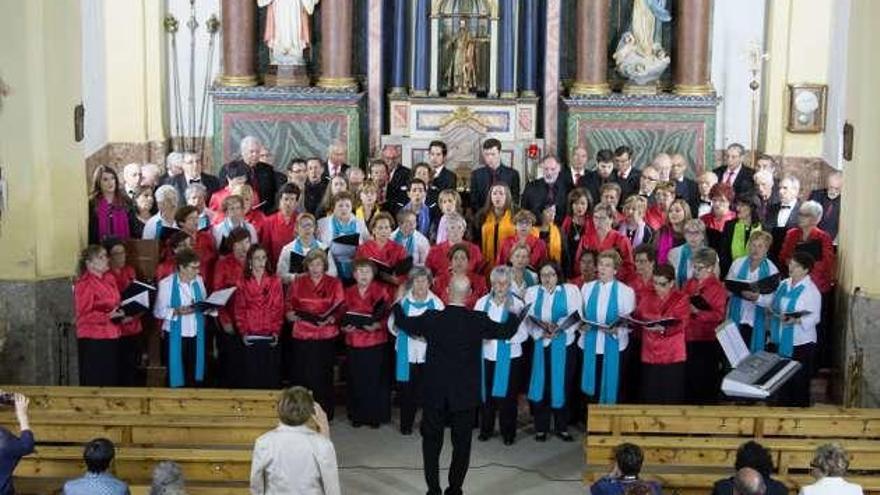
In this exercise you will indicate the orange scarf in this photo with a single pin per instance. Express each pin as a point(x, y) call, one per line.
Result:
point(490, 242)
point(554, 244)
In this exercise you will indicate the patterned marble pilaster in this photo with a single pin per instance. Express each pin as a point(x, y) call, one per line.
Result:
point(551, 77)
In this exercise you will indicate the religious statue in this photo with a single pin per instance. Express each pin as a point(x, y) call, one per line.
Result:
point(461, 73)
point(640, 56)
point(287, 35)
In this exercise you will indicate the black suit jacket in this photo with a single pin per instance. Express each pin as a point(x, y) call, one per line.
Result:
point(725, 487)
point(481, 181)
point(536, 194)
point(396, 192)
point(455, 336)
point(592, 182)
point(263, 178)
point(688, 190)
point(211, 183)
point(313, 194)
point(779, 232)
point(342, 170)
point(628, 186)
point(830, 221)
point(744, 182)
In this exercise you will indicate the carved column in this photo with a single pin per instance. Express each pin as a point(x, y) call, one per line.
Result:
point(592, 52)
point(398, 53)
point(239, 43)
point(508, 49)
point(529, 56)
point(336, 29)
point(691, 74)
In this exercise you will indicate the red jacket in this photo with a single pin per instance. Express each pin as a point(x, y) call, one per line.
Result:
point(95, 297)
point(537, 254)
point(258, 219)
point(655, 217)
point(478, 288)
point(227, 273)
point(258, 306)
point(390, 254)
point(713, 223)
point(666, 347)
point(356, 302)
point(203, 245)
point(123, 277)
point(614, 240)
point(823, 272)
point(704, 323)
point(438, 263)
point(305, 295)
point(641, 287)
point(277, 233)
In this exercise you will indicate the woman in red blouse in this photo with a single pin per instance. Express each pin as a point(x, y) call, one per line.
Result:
point(187, 218)
point(382, 249)
point(603, 237)
point(801, 238)
point(258, 309)
point(228, 271)
point(524, 233)
point(369, 393)
point(704, 357)
point(438, 255)
point(96, 300)
point(130, 342)
point(459, 261)
point(646, 260)
point(663, 347)
point(175, 244)
point(310, 297)
point(279, 229)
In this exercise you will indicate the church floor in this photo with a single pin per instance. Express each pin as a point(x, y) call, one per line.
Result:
point(385, 462)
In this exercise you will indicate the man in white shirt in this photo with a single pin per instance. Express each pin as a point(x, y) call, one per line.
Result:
point(335, 165)
point(131, 177)
point(783, 216)
point(297, 456)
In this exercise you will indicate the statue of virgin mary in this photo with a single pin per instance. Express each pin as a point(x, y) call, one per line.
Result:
point(640, 55)
point(287, 29)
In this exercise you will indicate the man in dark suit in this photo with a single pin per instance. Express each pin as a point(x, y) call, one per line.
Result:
point(766, 192)
point(625, 175)
point(829, 198)
point(548, 189)
point(733, 173)
point(493, 171)
point(192, 174)
point(576, 171)
point(315, 185)
point(752, 455)
point(783, 215)
point(451, 378)
point(131, 179)
point(173, 168)
point(398, 179)
point(335, 165)
point(443, 177)
point(685, 187)
point(593, 180)
point(261, 176)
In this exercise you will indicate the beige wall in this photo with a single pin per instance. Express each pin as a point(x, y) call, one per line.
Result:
point(798, 42)
point(860, 224)
point(40, 60)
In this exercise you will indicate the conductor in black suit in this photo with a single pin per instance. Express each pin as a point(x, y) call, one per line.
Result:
point(192, 174)
point(733, 173)
point(451, 378)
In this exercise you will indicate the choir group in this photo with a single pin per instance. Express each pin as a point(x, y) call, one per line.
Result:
point(625, 275)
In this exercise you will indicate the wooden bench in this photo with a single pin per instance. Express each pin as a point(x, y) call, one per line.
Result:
point(53, 486)
point(688, 448)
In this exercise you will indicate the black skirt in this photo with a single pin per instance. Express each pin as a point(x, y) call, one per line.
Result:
point(98, 362)
point(261, 362)
point(369, 392)
point(663, 383)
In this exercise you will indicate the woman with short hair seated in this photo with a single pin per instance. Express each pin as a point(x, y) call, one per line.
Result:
point(624, 476)
point(828, 467)
point(297, 456)
point(755, 456)
point(98, 454)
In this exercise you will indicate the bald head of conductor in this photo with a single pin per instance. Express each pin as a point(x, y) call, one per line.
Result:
point(459, 290)
point(749, 482)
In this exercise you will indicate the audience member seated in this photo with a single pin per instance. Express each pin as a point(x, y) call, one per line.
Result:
point(624, 476)
point(168, 479)
point(298, 455)
point(749, 482)
point(751, 455)
point(98, 454)
point(13, 448)
point(828, 467)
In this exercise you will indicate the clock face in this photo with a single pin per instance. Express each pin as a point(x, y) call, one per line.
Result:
point(806, 102)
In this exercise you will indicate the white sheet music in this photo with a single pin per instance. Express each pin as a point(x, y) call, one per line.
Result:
point(735, 348)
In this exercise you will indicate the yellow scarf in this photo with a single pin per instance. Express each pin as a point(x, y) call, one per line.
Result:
point(554, 246)
point(359, 213)
point(491, 243)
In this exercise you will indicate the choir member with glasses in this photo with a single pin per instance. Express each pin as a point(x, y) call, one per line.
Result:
point(743, 308)
point(415, 243)
point(304, 242)
point(98, 317)
point(681, 257)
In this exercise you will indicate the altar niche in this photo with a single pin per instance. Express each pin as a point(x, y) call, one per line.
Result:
point(465, 33)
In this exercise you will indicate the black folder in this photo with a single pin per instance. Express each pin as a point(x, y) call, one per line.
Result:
point(700, 302)
point(766, 285)
point(348, 239)
point(812, 247)
point(315, 318)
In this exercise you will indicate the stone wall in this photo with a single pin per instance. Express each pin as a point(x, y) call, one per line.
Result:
point(859, 329)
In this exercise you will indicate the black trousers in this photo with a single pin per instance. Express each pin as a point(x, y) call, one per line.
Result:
point(261, 365)
point(313, 362)
point(130, 350)
point(542, 410)
point(434, 421)
point(410, 395)
point(703, 372)
point(504, 407)
point(230, 360)
point(369, 394)
point(796, 393)
point(663, 383)
point(98, 362)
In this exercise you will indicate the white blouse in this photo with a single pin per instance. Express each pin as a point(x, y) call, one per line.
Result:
point(626, 304)
point(747, 313)
point(490, 346)
point(162, 310)
point(573, 300)
point(417, 345)
point(421, 246)
point(283, 265)
point(151, 228)
point(809, 300)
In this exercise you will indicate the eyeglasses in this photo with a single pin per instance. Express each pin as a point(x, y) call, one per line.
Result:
point(662, 283)
point(700, 267)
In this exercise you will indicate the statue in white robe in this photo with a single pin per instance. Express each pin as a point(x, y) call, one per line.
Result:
point(288, 32)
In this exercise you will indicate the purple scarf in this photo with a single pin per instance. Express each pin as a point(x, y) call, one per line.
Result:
point(112, 220)
point(665, 243)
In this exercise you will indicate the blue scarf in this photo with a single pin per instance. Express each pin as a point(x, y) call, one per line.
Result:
point(529, 278)
point(681, 271)
point(735, 309)
point(175, 340)
point(611, 359)
point(784, 338)
point(423, 219)
point(298, 246)
point(502, 360)
point(408, 242)
point(345, 267)
point(402, 348)
point(204, 221)
point(558, 312)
